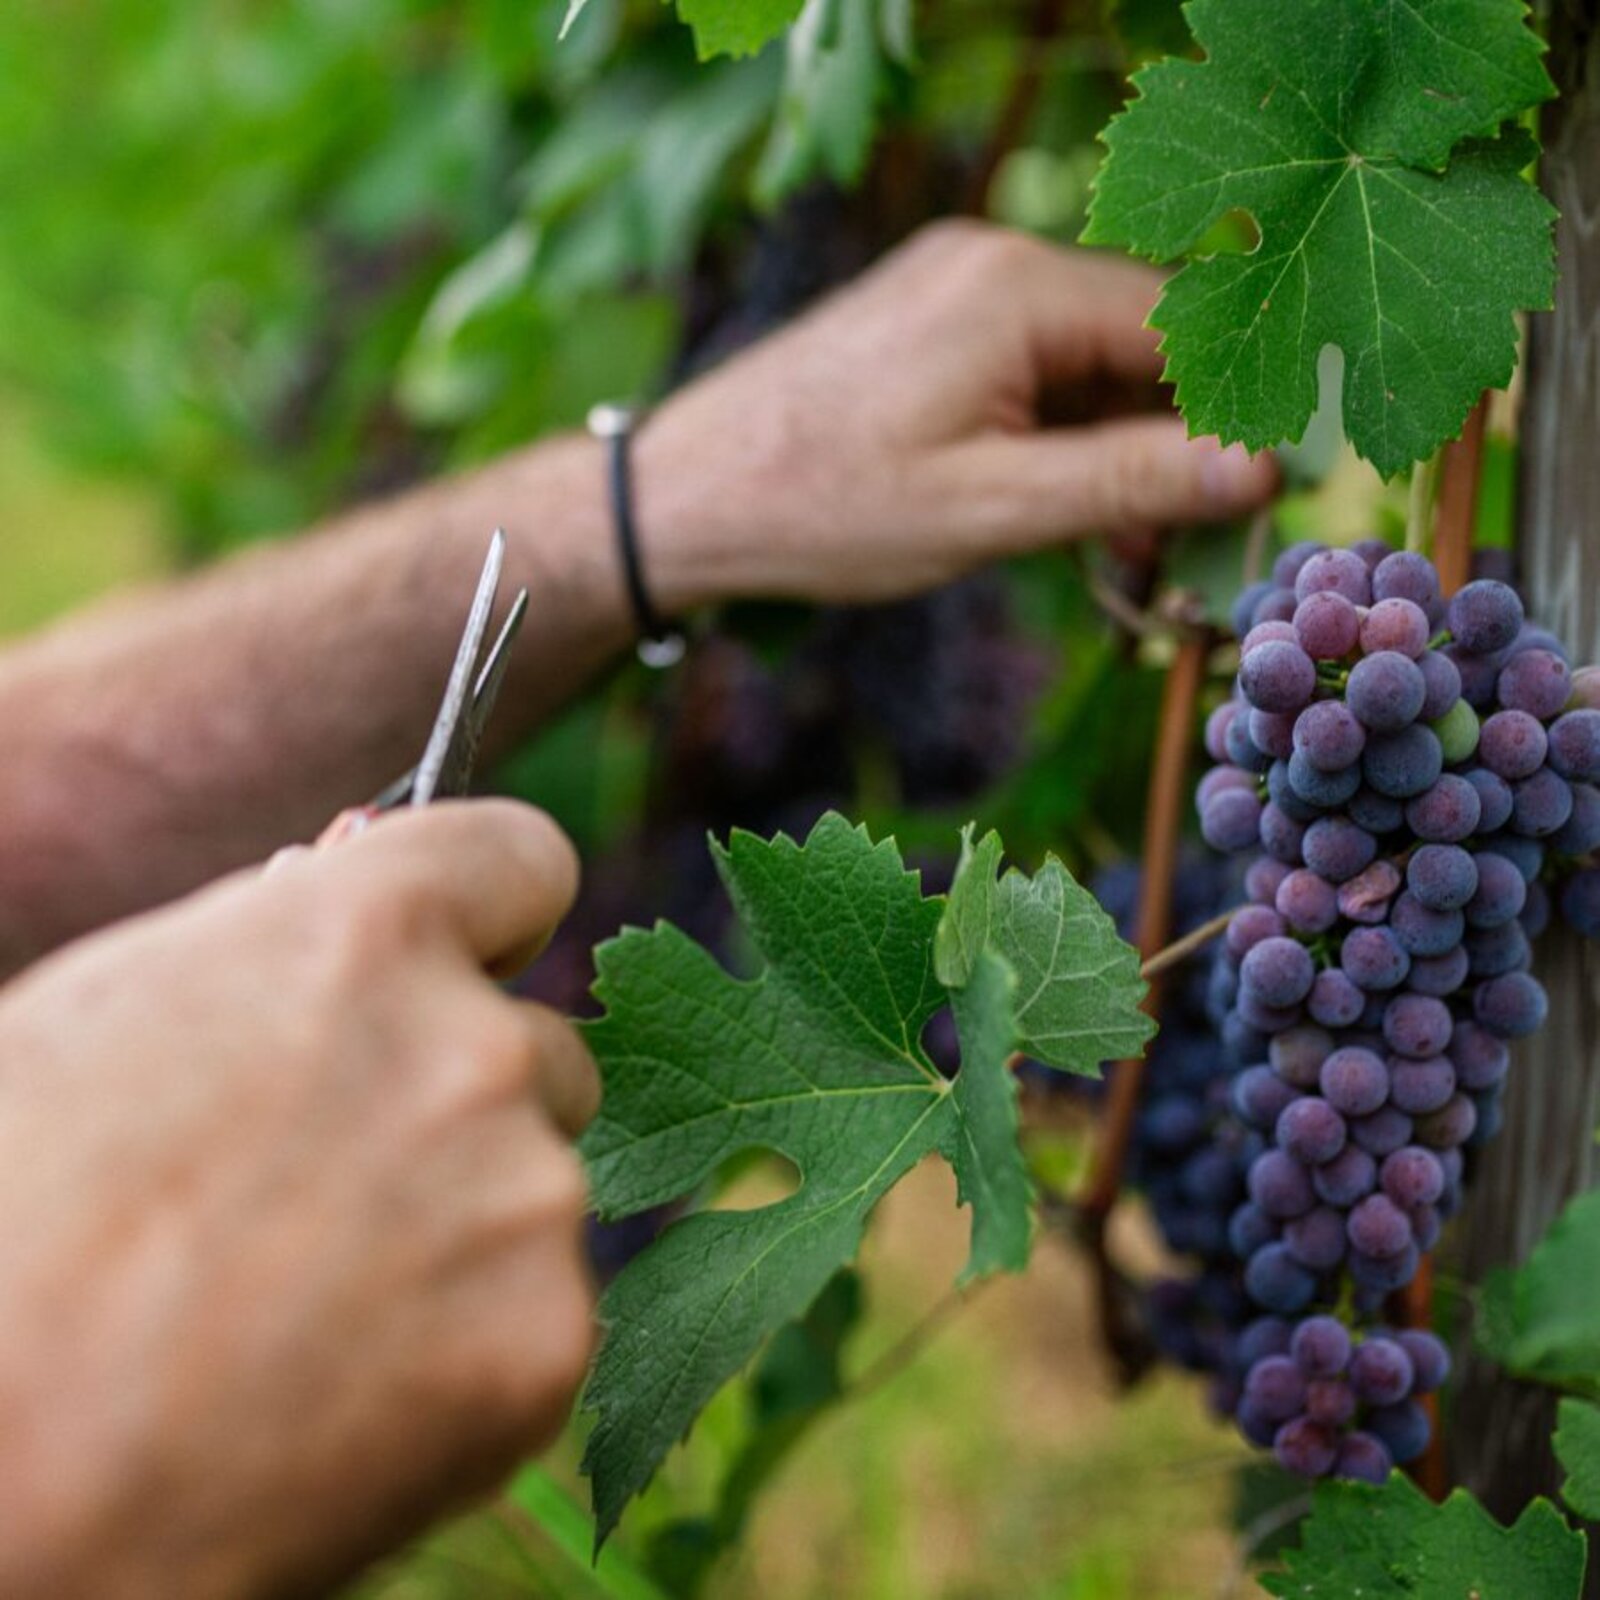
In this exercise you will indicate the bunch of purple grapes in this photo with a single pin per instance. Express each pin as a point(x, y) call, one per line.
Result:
point(1407, 777)
point(1329, 1404)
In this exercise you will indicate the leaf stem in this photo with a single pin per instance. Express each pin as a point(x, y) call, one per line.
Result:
point(1419, 505)
point(1182, 949)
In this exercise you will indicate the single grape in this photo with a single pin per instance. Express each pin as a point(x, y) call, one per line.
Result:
point(1412, 1177)
point(1416, 1026)
point(1278, 676)
point(1408, 575)
point(1337, 849)
point(1382, 1275)
point(1511, 1007)
point(1449, 1126)
point(1373, 959)
point(1402, 1429)
point(1373, 552)
point(1430, 1359)
point(1277, 972)
point(1395, 624)
point(1218, 779)
point(1306, 1448)
point(1484, 616)
point(1424, 932)
point(1580, 833)
point(1442, 680)
point(1439, 976)
point(1481, 1060)
point(1384, 1131)
point(1266, 1019)
point(1426, 1225)
point(1310, 1130)
point(1354, 1082)
point(1494, 798)
point(1337, 571)
point(1379, 813)
point(1512, 745)
point(1536, 681)
point(1319, 788)
point(1419, 1087)
point(1297, 1055)
point(1273, 733)
point(1458, 732)
point(1580, 904)
point(1277, 1282)
point(1309, 904)
point(1248, 926)
point(1329, 735)
point(1173, 1122)
point(1281, 836)
point(1277, 1385)
point(1260, 1097)
point(1316, 1240)
point(1501, 893)
point(1381, 1372)
point(1446, 813)
point(1364, 1458)
point(1231, 820)
point(1254, 1423)
point(1532, 638)
point(1330, 1401)
point(1365, 898)
point(1586, 689)
point(1401, 765)
point(1320, 1347)
point(1248, 1229)
point(1281, 1187)
point(1378, 1227)
point(1493, 952)
point(1386, 691)
point(1575, 745)
point(1335, 1000)
point(1326, 626)
point(1349, 1177)
point(1262, 1337)
point(1536, 911)
point(1540, 805)
point(1444, 877)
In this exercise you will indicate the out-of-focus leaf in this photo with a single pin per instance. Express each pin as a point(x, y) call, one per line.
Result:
point(1577, 1443)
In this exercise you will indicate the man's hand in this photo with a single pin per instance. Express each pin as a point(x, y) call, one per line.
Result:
point(291, 1257)
point(892, 440)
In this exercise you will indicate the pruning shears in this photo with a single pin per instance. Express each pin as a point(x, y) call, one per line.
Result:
point(451, 755)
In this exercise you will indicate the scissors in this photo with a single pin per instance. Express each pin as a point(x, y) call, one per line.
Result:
point(445, 771)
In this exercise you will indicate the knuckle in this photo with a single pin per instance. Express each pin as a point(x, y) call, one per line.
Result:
point(377, 918)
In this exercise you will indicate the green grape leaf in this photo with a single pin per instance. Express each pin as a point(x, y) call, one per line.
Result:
point(1577, 1442)
point(1392, 225)
point(819, 1058)
point(1542, 1320)
point(1393, 1543)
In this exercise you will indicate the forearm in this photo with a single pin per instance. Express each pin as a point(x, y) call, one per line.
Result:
point(158, 741)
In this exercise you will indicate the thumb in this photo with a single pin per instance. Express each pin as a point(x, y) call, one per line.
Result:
point(1115, 477)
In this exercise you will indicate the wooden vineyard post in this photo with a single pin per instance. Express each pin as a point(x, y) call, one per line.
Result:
point(1499, 1432)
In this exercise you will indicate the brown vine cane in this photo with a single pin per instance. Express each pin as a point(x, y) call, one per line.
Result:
point(1454, 522)
point(1162, 831)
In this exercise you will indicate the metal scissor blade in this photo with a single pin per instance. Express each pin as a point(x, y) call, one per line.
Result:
point(455, 777)
point(452, 724)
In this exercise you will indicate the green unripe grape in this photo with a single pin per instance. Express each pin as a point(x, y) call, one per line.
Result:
point(1457, 732)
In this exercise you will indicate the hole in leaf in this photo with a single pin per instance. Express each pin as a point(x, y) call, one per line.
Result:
point(940, 1043)
point(1234, 233)
point(753, 1180)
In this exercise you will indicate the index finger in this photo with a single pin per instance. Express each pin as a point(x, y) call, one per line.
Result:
point(499, 874)
point(1089, 313)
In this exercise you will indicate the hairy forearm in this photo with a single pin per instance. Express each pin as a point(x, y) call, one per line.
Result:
point(160, 740)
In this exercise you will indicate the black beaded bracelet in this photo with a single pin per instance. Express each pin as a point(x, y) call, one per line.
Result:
point(660, 645)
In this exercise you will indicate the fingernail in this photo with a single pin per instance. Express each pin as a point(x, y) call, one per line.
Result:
point(1232, 475)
